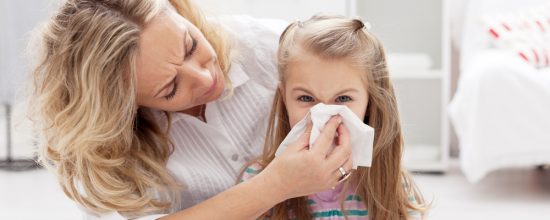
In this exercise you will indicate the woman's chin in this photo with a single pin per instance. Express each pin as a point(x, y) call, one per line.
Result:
point(217, 93)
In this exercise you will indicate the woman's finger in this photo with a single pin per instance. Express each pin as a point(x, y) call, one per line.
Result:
point(324, 142)
point(303, 141)
point(340, 154)
point(343, 135)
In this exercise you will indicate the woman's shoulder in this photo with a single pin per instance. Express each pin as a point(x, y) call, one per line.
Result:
point(253, 35)
point(255, 42)
point(245, 27)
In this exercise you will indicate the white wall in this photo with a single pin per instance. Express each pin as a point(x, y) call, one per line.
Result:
point(406, 26)
point(17, 19)
point(282, 9)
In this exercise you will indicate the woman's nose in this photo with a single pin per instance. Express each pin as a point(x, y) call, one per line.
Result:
point(199, 75)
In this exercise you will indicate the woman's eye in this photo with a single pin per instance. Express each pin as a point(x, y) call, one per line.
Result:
point(305, 98)
point(172, 93)
point(191, 50)
point(343, 98)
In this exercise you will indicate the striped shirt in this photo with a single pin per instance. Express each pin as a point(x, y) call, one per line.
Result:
point(326, 205)
point(207, 157)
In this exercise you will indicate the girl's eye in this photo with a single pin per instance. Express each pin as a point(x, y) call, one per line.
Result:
point(343, 98)
point(305, 98)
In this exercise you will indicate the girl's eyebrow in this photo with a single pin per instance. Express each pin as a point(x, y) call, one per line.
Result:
point(301, 89)
point(347, 90)
point(340, 92)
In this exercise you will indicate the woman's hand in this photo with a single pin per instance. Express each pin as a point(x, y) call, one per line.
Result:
point(300, 171)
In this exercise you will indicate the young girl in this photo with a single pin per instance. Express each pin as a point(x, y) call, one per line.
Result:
point(335, 60)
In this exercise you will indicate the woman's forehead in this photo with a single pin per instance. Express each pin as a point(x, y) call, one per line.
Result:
point(163, 38)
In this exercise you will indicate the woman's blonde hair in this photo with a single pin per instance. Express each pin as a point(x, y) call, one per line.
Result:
point(108, 154)
point(385, 187)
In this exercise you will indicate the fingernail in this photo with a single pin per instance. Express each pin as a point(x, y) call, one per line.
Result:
point(339, 119)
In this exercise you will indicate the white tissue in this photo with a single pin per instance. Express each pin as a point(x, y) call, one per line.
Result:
point(361, 135)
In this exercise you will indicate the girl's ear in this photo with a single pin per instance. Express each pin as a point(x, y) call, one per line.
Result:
point(281, 90)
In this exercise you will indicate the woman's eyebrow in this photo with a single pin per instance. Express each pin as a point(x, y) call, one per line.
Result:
point(185, 35)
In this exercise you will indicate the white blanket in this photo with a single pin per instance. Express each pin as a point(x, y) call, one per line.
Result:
point(501, 113)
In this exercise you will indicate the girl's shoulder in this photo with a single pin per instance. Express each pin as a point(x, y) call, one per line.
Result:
point(250, 171)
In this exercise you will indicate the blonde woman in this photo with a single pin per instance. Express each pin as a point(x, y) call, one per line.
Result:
point(147, 110)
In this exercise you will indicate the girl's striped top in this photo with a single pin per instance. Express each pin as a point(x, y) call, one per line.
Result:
point(326, 205)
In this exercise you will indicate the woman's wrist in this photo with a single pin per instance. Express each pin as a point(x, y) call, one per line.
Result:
point(272, 188)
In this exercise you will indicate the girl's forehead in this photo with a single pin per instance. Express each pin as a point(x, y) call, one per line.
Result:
point(320, 72)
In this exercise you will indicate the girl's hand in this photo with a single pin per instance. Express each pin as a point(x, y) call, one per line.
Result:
point(302, 171)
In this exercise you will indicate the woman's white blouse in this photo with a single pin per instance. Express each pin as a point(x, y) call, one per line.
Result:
point(208, 156)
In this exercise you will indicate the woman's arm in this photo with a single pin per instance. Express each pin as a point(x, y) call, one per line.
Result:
point(297, 172)
point(247, 200)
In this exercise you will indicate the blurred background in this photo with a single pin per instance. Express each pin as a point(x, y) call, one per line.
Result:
point(473, 86)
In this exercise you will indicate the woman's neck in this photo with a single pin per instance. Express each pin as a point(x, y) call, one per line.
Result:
point(197, 111)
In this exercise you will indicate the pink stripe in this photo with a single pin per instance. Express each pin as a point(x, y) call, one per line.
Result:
point(536, 55)
point(546, 58)
point(522, 55)
point(506, 26)
point(494, 33)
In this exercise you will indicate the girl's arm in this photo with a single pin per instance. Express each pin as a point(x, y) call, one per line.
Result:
point(297, 172)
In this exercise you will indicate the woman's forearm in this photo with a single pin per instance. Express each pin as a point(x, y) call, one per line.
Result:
point(247, 200)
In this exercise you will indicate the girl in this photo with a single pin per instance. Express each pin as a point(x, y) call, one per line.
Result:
point(334, 60)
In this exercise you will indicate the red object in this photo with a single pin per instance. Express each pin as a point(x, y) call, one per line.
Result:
point(522, 55)
point(494, 33)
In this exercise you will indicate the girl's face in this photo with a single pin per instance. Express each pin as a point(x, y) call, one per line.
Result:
point(311, 80)
point(177, 68)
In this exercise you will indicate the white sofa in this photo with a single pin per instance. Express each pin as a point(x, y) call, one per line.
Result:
point(500, 110)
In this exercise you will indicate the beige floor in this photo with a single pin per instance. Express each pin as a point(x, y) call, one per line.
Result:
point(507, 194)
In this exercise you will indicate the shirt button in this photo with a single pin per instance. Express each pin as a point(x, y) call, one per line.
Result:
point(235, 157)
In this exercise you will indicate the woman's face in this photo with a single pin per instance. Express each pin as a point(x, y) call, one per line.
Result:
point(177, 68)
point(311, 80)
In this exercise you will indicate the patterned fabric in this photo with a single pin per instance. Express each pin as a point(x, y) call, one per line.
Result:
point(525, 32)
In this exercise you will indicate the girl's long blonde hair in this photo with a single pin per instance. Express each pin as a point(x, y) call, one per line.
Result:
point(385, 187)
point(108, 154)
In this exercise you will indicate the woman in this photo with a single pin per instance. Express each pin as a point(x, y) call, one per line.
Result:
point(143, 112)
